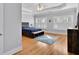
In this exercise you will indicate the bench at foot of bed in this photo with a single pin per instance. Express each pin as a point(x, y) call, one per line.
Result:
point(38, 33)
point(34, 34)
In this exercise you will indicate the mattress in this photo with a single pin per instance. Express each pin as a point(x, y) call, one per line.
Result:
point(29, 30)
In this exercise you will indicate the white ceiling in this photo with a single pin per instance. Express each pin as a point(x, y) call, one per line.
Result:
point(32, 7)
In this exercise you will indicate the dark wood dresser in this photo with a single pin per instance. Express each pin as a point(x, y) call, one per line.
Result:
point(73, 40)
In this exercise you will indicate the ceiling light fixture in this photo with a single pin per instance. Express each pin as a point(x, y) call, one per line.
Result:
point(40, 7)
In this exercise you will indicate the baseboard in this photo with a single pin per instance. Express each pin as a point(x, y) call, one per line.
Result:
point(53, 33)
point(13, 51)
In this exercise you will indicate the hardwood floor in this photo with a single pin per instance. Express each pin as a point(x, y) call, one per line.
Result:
point(33, 47)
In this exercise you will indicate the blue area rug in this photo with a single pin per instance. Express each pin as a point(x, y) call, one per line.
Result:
point(47, 39)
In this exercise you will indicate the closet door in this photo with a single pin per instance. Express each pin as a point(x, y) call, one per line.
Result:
point(1, 28)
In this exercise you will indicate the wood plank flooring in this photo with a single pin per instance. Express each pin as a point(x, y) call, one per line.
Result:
point(33, 47)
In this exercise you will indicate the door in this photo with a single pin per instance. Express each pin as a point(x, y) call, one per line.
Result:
point(1, 28)
point(12, 20)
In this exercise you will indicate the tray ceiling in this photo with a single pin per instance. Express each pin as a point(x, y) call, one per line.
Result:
point(33, 6)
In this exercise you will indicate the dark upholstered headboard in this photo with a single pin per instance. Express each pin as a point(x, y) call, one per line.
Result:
point(25, 24)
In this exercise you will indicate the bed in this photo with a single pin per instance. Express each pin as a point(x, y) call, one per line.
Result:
point(31, 31)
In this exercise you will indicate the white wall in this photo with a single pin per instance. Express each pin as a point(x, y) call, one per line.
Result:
point(61, 13)
point(28, 18)
point(69, 11)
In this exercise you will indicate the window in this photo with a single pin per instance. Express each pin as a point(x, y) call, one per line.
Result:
point(40, 22)
point(55, 22)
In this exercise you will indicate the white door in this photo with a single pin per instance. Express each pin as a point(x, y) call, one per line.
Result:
point(1, 28)
point(12, 20)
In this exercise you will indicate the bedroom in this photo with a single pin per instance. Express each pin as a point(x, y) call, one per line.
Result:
point(39, 28)
point(45, 27)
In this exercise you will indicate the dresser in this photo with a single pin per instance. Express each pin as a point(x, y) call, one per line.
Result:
point(73, 40)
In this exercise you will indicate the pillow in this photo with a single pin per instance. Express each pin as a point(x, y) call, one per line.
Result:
point(25, 24)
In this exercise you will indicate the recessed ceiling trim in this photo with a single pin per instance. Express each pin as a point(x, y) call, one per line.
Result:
point(55, 7)
point(46, 6)
point(25, 9)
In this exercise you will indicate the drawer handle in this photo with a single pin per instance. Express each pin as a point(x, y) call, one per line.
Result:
point(0, 34)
